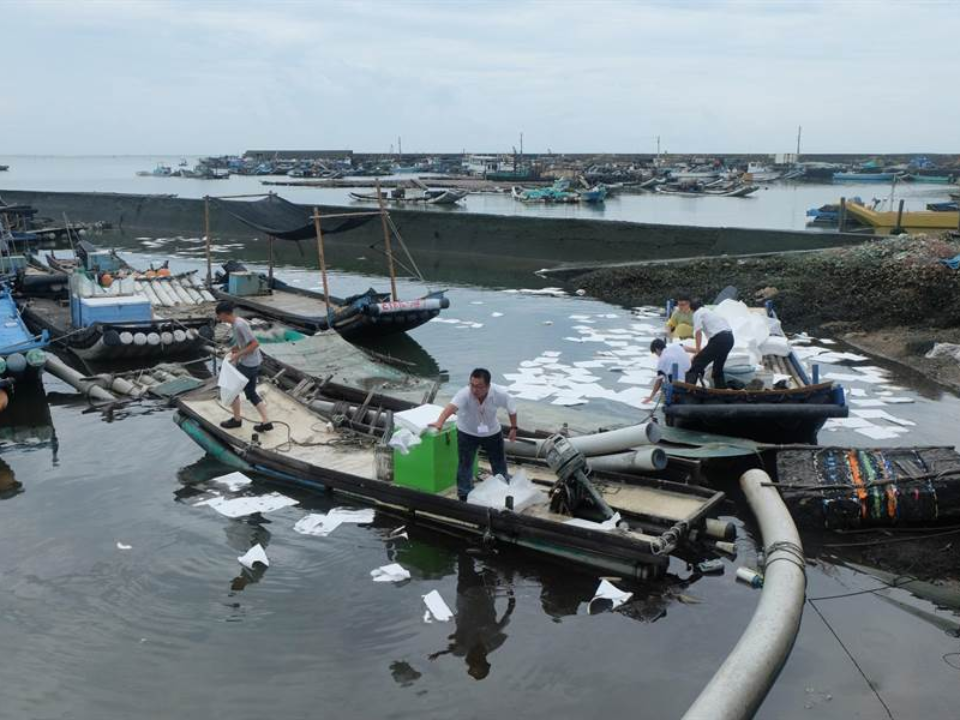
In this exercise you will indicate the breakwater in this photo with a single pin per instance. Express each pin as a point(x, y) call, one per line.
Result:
point(456, 236)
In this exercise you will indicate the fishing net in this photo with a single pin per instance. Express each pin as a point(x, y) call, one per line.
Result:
point(283, 219)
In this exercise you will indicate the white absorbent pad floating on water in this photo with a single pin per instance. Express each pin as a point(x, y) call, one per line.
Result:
point(233, 481)
point(437, 609)
point(254, 555)
point(243, 506)
point(322, 525)
point(390, 573)
point(607, 592)
point(493, 492)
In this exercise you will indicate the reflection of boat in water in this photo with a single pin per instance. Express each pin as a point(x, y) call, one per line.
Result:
point(27, 422)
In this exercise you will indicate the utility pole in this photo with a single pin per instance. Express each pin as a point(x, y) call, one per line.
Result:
point(799, 132)
point(399, 148)
point(521, 144)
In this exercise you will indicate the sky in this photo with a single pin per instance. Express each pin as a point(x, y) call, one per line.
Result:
point(151, 77)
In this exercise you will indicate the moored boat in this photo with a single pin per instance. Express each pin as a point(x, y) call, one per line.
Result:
point(864, 177)
point(776, 401)
point(352, 458)
point(913, 221)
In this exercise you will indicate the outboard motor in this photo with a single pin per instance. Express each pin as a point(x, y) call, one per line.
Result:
point(573, 493)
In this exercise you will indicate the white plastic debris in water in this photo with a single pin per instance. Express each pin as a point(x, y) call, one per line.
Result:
point(322, 525)
point(493, 492)
point(875, 432)
point(403, 440)
point(496, 314)
point(254, 555)
point(437, 609)
point(233, 481)
point(122, 546)
point(609, 592)
point(876, 414)
point(867, 402)
point(605, 526)
point(897, 400)
point(243, 506)
point(390, 573)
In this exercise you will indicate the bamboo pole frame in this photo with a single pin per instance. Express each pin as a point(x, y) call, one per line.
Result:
point(323, 262)
point(386, 242)
point(206, 238)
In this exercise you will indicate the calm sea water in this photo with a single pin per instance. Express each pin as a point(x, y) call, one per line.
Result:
point(776, 205)
point(171, 627)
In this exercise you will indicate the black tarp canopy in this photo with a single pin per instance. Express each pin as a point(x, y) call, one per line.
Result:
point(283, 219)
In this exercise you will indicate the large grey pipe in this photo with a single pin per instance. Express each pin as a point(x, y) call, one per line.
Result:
point(55, 366)
point(748, 673)
point(605, 443)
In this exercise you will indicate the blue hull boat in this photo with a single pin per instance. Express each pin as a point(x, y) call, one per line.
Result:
point(863, 177)
point(21, 352)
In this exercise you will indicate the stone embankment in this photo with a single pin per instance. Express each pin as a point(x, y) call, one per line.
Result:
point(890, 296)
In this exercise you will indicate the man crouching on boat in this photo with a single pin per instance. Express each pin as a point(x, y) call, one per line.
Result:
point(245, 356)
point(478, 427)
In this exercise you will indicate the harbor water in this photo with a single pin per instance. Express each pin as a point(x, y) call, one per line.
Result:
point(121, 597)
point(780, 206)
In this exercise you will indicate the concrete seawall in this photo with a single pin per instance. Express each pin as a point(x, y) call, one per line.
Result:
point(527, 242)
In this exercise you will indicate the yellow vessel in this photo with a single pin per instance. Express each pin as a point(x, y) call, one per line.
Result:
point(921, 221)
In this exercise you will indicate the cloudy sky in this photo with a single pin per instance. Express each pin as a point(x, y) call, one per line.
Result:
point(143, 76)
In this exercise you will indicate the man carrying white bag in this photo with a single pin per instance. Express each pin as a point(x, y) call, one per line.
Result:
point(239, 372)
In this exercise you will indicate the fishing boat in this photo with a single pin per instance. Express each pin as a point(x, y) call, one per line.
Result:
point(779, 402)
point(702, 191)
point(160, 170)
point(892, 222)
point(558, 193)
point(351, 457)
point(840, 488)
point(594, 195)
point(864, 177)
point(107, 311)
point(423, 196)
point(759, 172)
point(951, 206)
point(4, 168)
point(362, 318)
point(22, 355)
point(930, 179)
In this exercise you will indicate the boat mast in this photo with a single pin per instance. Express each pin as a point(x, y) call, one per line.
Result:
point(206, 237)
point(386, 242)
point(799, 132)
point(323, 262)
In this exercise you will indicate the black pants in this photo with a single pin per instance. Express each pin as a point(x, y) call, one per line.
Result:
point(467, 446)
point(716, 351)
point(250, 389)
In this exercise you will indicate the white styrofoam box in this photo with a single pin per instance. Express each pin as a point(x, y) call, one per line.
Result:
point(417, 419)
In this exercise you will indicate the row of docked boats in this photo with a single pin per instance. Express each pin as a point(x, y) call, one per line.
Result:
point(560, 193)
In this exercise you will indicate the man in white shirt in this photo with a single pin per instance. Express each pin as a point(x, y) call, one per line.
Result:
point(719, 344)
point(671, 356)
point(478, 427)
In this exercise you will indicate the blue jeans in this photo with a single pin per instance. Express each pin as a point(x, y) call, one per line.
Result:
point(467, 446)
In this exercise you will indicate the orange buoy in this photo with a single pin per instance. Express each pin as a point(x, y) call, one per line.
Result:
point(4, 400)
point(163, 272)
point(106, 280)
point(150, 274)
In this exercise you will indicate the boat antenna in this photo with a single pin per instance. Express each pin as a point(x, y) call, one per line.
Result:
point(386, 242)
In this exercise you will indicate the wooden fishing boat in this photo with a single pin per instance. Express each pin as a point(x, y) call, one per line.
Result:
point(847, 488)
point(352, 459)
point(128, 319)
point(22, 355)
point(791, 409)
point(362, 318)
point(892, 222)
point(424, 196)
point(368, 315)
point(864, 177)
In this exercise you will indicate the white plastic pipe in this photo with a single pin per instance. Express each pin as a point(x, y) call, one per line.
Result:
point(743, 680)
point(644, 459)
point(606, 443)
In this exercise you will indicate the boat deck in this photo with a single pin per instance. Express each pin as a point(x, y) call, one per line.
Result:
point(302, 435)
point(53, 315)
point(290, 303)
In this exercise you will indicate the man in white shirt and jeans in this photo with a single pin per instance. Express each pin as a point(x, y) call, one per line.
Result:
point(719, 344)
point(478, 427)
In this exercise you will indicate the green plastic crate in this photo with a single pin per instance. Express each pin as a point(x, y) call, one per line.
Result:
point(430, 466)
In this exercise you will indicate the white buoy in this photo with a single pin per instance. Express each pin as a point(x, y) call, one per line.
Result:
point(153, 339)
point(139, 339)
point(126, 337)
point(179, 335)
point(166, 337)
